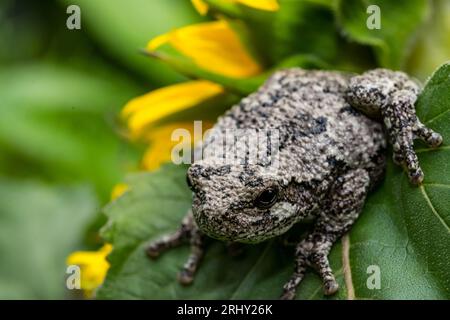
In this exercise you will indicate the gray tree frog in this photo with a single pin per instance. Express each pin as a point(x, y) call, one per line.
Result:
point(331, 154)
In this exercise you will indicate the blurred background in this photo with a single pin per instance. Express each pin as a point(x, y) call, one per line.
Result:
point(62, 149)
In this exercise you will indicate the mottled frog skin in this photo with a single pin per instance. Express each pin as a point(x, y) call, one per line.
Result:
point(332, 129)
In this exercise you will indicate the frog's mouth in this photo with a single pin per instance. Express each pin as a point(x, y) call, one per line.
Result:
point(254, 237)
point(244, 228)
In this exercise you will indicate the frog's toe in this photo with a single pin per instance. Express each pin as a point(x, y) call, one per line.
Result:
point(405, 155)
point(330, 287)
point(405, 152)
point(153, 251)
point(416, 176)
point(288, 295)
point(427, 135)
point(185, 277)
point(290, 287)
point(415, 173)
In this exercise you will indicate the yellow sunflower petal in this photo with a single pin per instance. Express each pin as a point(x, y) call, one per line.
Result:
point(161, 145)
point(157, 154)
point(200, 6)
point(118, 190)
point(160, 150)
point(153, 106)
point(213, 46)
point(93, 266)
point(268, 5)
point(158, 41)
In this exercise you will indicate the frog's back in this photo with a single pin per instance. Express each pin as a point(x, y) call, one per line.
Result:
point(318, 130)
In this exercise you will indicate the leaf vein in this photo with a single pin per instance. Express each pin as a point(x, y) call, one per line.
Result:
point(430, 204)
point(347, 268)
point(437, 185)
point(432, 149)
point(437, 117)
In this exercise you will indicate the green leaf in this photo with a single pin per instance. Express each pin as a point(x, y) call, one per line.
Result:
point(404, 231)
point(400, 20)
point(39, 226)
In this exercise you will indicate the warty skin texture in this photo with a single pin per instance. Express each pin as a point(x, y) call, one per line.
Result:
point(329, 153)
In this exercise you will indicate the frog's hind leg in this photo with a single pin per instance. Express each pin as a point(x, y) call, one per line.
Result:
point(345, 201)
point(188, 232)
point(391, 95)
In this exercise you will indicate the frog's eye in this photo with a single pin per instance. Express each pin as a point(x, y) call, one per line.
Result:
point(189, 182)
point(267, 198)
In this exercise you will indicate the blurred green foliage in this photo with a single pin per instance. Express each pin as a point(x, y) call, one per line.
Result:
point(39, 224)
point(61, 148)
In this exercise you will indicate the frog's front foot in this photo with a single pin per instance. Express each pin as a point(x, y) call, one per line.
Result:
point(392, 96)
point(338, 213)
point(403, 126)
point(314, 255)
point(187, 233)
